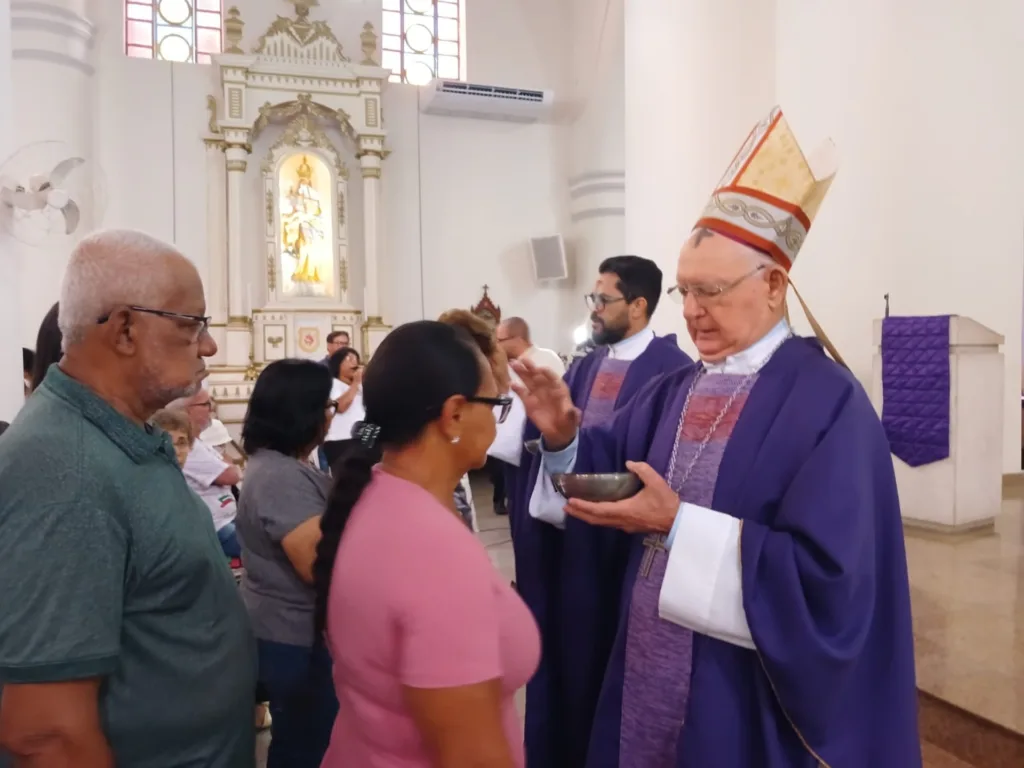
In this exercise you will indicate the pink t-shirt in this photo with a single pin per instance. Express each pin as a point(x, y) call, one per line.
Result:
point(415, 601)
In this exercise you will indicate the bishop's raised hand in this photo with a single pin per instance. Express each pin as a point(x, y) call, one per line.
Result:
point(548, 404)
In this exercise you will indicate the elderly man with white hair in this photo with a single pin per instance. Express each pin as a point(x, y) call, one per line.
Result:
point(765, 618)
point(123, 640)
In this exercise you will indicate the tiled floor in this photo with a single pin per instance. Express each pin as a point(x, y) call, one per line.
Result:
point(967, 597)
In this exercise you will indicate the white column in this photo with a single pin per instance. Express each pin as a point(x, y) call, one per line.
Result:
point(370, 165)
point(238, 328)
point(216, 282)
point(11, 389)
point(596, 150)
point(699, 74)
point(53, 100)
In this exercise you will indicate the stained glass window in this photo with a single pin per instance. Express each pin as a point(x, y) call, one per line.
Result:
point(423, 39)
point(173, 30)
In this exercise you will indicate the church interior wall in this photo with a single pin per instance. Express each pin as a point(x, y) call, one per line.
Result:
point(461, 196)
point(927, 203)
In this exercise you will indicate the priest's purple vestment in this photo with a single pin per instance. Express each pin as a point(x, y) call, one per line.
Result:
point(829, 679)
point(571, 579)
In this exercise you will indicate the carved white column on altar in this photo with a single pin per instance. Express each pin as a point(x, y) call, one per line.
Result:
point(370, 165)
point(11, 390)
point(216, 283)
point(237, 339)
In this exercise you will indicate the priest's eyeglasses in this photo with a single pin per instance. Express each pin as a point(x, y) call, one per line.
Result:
point(504, 403)
point(200, 323)
point(704, 292)
point(598, 301)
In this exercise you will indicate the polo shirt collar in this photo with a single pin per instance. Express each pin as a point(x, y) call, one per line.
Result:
point(141, 444)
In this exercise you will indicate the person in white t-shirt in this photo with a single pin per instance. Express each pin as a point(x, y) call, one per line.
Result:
point(347, 391)
point(209, 475)
point(504, 454)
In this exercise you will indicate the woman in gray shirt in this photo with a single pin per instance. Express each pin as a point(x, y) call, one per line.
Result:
point(278, 525)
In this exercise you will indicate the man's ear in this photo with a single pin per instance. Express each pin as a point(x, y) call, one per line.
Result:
point(639, 308)
point(122, 332)
point(777, 281)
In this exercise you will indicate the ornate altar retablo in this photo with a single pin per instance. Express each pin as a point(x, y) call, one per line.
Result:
point(297, 96)
point(487, 309)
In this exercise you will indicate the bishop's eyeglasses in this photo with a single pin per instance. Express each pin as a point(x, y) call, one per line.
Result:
point(704, 292)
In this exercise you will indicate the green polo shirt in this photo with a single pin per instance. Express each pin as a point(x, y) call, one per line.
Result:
point(110, 568)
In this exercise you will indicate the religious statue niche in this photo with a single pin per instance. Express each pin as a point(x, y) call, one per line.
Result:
point(306, 251)
point(306, 186)
point(487, 309)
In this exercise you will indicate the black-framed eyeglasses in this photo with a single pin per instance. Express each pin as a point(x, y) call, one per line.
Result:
point(504, 402)
point(201, 322)
point(709, 291)
point(598, 301)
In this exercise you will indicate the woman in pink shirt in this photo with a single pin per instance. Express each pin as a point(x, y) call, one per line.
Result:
point(429, 643)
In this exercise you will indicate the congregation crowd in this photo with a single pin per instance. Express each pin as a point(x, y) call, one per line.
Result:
point(167, 590)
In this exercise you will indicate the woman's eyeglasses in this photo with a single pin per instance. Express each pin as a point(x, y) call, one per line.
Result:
point(504, 403)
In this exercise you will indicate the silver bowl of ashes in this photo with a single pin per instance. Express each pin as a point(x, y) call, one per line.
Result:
point(612, 486)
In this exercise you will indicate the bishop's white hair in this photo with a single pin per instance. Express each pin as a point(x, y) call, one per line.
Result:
point(107, 269)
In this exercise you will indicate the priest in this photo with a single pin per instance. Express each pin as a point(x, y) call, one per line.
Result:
point(571, 577)
point(765, 619)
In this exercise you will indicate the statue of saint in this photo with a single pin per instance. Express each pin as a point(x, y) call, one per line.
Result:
point(302, 225)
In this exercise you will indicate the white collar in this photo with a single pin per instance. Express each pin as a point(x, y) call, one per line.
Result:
point(755, 356)
point(631, 348)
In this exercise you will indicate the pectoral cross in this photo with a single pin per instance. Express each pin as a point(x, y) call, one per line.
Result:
point(653, 543)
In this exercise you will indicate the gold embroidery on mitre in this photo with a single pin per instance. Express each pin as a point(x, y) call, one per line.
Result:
point(768, 178)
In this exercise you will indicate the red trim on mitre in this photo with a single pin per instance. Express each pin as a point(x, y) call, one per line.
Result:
point(740, 235)
point(757, 147)
point(764, 197)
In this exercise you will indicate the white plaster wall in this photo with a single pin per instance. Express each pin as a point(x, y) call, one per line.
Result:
point(698, 76)
point(924, 102)
point(11, 388)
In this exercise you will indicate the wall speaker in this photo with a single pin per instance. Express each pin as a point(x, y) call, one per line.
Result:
point(549, 262)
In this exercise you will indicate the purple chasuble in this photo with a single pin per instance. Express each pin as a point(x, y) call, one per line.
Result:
point(605, 390)
point(572, 579)
point(659, 654)
point(824, 585)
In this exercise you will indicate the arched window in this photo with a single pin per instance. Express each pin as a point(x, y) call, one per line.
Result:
point(173, 30)
point(423, 39)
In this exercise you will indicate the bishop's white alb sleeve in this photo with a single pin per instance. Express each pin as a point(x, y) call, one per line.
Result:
point(703, 585)
point(547, 504)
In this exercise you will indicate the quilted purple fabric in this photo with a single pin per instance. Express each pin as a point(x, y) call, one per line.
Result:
point(915, 387)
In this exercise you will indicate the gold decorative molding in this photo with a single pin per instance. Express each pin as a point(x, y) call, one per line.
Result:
point(300, 39)
point(270, 208)
point(368, 40)
point(371, 173)
point(211, 107)
point(303, 105)
point(237, 166)
point(375, 321)
point(343, 273)
point(271, 271)
point(215, 143)
point(372, 113)
point(341, 208)
point(303, 132)
point(233, 30)
point(235, 103)
point(239, 321)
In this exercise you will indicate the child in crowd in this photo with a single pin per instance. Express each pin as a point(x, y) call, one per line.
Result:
point(219, 498)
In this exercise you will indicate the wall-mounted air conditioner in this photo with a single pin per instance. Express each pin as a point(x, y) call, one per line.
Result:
point(486, 102)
